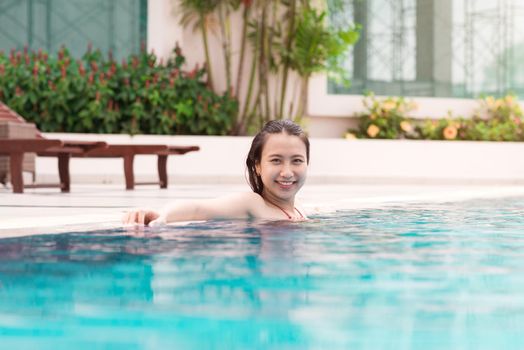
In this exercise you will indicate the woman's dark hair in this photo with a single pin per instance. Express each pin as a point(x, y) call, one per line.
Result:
point(255, 152)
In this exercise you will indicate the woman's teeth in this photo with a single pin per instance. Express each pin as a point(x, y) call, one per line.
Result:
point(285, 183)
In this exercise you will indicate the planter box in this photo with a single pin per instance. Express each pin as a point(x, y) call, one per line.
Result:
point(222, 160)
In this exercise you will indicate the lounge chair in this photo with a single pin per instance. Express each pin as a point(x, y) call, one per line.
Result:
point(88, 149)
point(128, 152)
point(19, 149)
point(15, 149)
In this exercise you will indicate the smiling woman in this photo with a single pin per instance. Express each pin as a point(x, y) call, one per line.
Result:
point(277, 165)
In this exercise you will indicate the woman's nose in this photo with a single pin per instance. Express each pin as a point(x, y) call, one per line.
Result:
point(286, 171)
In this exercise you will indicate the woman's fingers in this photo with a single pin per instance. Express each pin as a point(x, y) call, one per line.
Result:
point(128, 218)
point(139, 217)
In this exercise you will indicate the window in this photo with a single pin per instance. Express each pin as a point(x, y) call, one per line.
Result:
point(117, 25)
point(435, 48)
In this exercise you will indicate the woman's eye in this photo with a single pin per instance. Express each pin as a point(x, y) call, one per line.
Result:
point(275, 161)
point(298, 161)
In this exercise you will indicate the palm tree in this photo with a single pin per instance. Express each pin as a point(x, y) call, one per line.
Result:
point(198, 12)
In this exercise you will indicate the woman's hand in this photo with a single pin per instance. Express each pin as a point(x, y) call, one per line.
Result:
point(142, 217)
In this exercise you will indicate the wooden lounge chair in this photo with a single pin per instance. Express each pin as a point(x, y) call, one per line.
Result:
point(15, 149)
point(89, 149)
point(128, 153)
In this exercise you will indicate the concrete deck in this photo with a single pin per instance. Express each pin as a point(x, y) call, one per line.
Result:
point(93, 207)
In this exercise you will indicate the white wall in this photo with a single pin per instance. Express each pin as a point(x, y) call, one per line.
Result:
point(163, 30)
point(222, 159)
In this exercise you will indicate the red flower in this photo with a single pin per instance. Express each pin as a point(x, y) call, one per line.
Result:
point(81, 69)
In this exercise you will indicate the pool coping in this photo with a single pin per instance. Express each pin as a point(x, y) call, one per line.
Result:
point(48, 212)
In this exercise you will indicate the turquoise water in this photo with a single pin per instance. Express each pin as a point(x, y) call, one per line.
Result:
point(446, 276)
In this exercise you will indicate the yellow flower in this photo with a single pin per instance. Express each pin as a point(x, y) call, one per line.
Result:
point(373, 130)
point(372, 116)
point(406, 126)
point(509, 100)
point(498, 104)
point(450, 132)
point(490, 101)
point(350, 136)
point(389, 105)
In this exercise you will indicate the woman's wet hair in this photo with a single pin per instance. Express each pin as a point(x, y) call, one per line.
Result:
point(255, 152)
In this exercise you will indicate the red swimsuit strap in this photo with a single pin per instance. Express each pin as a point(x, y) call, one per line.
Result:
point(302, 216)
point(285, 212)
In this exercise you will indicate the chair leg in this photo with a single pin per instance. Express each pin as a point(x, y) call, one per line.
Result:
point(63, 171)
point(128, 171)
point(15, 167)
point(162, 170)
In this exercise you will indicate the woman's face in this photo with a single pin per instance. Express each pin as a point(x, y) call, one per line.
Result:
point(282, 167)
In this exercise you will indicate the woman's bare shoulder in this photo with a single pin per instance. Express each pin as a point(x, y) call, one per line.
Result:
point(253, 196)
point(237, 205)
point(243, 199)
point(248, 199)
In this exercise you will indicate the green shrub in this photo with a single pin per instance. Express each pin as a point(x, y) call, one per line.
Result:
point(96, 94)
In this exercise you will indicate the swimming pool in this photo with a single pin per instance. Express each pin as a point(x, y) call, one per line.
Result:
point(428, 276)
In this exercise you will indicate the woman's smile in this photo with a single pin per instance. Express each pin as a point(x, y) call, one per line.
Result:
point(283, 167)
point(286, 184)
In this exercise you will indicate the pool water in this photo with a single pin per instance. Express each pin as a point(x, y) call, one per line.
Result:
point(424, 276)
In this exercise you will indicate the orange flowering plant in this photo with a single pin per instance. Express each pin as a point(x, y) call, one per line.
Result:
point(385, 119)
point(448, 128)
point(496, 119)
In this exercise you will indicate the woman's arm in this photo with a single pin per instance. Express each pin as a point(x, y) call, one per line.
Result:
point(236, 206)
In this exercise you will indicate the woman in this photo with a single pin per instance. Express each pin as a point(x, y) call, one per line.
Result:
point(277, 167)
